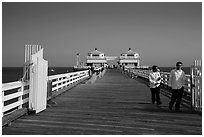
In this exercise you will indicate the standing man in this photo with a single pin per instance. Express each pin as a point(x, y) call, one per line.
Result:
point(177, 83)
point(155, 80)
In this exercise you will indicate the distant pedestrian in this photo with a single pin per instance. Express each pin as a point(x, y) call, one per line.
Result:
point(155, 80)
point(177, 83)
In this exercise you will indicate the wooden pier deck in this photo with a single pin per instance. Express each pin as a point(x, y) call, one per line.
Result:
point(114, 105)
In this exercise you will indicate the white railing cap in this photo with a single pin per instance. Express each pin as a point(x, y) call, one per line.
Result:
point(11, 85)
point(65, 74)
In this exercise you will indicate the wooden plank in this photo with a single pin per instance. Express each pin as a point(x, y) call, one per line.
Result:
point(7, 119)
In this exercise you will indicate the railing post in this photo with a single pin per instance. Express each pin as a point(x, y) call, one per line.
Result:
point(196, 85)
point(2, 103)
point(49, 89)
point(192, 88)
point(21, 97)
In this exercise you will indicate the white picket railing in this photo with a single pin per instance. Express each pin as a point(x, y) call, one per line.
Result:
point(15, 94)
point(64, 80)
point(16, 91)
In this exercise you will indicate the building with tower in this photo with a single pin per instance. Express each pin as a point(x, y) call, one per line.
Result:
point(96, 59)
point(129, 59)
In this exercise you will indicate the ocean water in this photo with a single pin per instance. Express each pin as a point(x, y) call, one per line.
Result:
point(11, 74)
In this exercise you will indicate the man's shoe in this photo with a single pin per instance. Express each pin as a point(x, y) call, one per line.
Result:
point(152, 102)
point(178, 110)
point(159, 103)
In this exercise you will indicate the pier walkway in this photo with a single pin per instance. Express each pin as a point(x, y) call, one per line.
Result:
point(113, 105)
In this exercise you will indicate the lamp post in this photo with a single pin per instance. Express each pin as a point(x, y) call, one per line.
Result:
point(78, 59)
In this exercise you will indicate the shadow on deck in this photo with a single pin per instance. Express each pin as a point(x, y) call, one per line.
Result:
point(113, 105)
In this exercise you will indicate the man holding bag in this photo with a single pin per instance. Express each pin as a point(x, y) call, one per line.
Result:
point(155, 80)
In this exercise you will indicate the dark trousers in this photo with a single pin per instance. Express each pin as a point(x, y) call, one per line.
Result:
point(155, 94)
point(176, 97)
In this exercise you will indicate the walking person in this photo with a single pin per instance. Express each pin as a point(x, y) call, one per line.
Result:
point(176, 82)
point(155, 80)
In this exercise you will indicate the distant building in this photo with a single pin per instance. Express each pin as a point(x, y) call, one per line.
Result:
point(96, 59)
point(129, 59)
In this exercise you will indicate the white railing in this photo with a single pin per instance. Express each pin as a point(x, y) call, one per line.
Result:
point(14, 96)
point(64, 80)
point(129, 57)
point(96, 57)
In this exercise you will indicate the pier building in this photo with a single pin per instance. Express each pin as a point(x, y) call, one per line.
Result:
point(129, 59)
point(96, 59)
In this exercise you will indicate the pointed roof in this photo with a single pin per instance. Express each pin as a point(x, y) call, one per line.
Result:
point(96, 52)
point(130, 52)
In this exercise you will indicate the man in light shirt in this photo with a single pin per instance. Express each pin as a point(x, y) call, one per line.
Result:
point(177, 83)
point(155, 80)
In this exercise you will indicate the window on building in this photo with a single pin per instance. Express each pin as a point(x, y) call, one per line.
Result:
point(130, 55)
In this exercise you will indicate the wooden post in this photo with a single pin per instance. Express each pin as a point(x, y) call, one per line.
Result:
point(192, 87)
point(38, 82)
point(21, 97)
point(196, 85)
point(29, 51)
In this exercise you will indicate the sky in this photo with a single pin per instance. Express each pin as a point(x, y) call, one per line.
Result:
point(162, 33)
